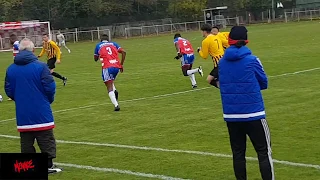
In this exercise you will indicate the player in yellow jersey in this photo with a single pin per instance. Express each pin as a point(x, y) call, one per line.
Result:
point(211, 45)
point(53, 55)
point(224, 36)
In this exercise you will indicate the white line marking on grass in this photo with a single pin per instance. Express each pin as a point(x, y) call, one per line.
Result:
point(182, 92)
point(94, 105)
point(163, 95)
point(124, 101)
point(7, 120)
point(111, 170)
point(297, 72)
point(171, 150)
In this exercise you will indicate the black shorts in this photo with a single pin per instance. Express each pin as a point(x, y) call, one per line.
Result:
point(215, 72)
point(52, 63)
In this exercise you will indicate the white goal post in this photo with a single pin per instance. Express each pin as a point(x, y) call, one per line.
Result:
point(23, 29)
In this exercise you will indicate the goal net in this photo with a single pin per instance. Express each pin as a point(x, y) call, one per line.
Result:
point(23, 29)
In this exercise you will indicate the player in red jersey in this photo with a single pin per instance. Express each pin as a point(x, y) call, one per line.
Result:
point(185, 54)
point(108, 53)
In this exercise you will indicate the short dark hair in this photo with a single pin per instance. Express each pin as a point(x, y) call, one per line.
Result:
point(216, 27)
point(177, 35)
point(13, 38)
point(104, 37)
point(206, 27)
point(45, 34)
point(240, 43)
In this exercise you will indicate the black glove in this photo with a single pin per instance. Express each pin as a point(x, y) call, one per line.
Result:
point(178, 56)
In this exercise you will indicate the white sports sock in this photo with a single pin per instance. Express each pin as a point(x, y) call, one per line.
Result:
point(113, 98)
point(192, 71)
point(193, 79)
point(66, 47)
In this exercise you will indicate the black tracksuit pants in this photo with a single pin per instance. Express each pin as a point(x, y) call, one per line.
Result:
point(259, 134)
point(45, 140)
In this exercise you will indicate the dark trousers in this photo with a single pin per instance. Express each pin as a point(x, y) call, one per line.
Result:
point(45, 140)
point(259, 134)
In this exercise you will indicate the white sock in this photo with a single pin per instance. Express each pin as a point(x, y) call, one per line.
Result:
point(192, 71)
point(114, 87)
point(193, 79)
point(67, 48)
point(113, 98)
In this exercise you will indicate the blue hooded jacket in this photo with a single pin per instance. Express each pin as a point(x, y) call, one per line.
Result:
point(241, 79)
point(29, 83)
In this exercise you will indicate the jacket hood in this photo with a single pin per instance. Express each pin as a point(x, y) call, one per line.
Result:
point(234, 54)
point(24, 57)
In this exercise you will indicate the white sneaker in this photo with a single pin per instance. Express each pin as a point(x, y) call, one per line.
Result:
point(54, 169)
point(200, 71)
point(69, 51)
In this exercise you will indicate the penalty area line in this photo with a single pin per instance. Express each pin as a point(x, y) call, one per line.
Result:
point(119, 171)
point(145, 148)
point(165, 95)
point(124, 101)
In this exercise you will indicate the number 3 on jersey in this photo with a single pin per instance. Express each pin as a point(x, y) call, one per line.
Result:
point(109, 50)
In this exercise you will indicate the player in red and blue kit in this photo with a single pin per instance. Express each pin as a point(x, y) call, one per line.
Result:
point(15, 44)
point(108, 53)
point(185, 54)
point(15, 48)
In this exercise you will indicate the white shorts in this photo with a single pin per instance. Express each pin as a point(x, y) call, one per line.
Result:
point(61, 43)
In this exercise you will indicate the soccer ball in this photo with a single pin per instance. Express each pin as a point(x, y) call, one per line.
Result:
point(1, 98)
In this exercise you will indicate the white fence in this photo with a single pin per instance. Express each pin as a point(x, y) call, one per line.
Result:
point(76, 35)
point(171, 28)
point(302, 15)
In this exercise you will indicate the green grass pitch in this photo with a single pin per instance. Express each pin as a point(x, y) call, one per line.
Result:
point(191, 120)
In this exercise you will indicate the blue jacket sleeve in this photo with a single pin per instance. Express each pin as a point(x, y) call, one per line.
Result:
point(8, 86)
point(260, 74)
point(48, 84)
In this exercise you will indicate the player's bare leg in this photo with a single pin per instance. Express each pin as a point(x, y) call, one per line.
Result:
point(65, 46)
point(112, 95)
point(64, 79)
point(210, 78)
point(188, 71)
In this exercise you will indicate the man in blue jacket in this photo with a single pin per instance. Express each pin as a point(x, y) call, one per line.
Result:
point(30, 84)
point(241, 79)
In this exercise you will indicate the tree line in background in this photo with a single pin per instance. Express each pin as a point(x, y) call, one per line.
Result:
point(84, 13)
